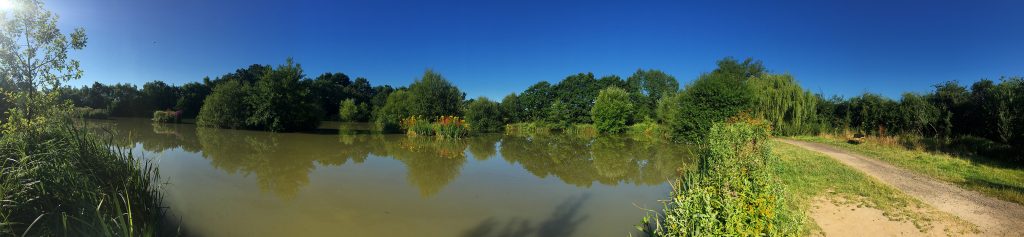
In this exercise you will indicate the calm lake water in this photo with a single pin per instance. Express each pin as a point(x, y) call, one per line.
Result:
point(342, 181)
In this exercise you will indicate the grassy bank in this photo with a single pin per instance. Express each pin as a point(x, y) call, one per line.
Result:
point(973, 172)
point(61, 180)
point(808, 175)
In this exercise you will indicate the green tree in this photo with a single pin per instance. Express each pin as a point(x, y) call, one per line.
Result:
point(577, 94)
point(34, 59)
point(612, 110)
point(709, 99)
point(559, 115)
point(329, 89)
point(649, 86)
point(433, 96)
point(190, 98)
point(157, 95)
point(225, 107)
point(917, 116)
point(535, 101)
point(281, 102)
point(397, 107)
point(484, 115)
point(783, 103)
point(348, 111)
point(512, 109)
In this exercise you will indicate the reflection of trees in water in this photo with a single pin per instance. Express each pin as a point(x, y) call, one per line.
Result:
point(607, 160)
point(154, 137)
point(281, 163)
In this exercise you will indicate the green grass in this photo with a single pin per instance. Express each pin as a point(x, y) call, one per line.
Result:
point(807, 175)
point(973, 173)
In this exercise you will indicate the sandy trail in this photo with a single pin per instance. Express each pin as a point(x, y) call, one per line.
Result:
point(993, 217)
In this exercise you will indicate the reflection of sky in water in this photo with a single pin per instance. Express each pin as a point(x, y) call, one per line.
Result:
point(245, 183)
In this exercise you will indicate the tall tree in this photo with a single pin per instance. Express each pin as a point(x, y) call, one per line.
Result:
point(433, 96)
point(34, 58)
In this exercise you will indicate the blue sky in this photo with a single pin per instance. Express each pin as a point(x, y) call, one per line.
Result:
point(492, 48)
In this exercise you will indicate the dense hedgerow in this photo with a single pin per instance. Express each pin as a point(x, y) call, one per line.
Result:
point(733, 191)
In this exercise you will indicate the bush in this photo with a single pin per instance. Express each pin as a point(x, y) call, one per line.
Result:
point(484, 115)
point(396, 107)
point(225, 107)
point(612, 110)
point(348, 111)
point(710, 99)
point(167, 116)
point(733, 191)
point(649, 131)
point(559, 117)
point(526, 129)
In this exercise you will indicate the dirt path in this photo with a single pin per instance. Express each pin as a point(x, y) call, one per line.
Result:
point(993, 217)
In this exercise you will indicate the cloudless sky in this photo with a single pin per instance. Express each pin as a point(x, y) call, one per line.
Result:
point(492, 48)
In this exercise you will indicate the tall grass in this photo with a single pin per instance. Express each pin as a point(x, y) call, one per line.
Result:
point(66, 181)
point(733, 191)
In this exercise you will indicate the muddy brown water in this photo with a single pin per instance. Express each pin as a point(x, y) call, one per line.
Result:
point(344, 181)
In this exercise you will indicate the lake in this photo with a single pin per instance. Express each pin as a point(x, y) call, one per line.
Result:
point(344, 181)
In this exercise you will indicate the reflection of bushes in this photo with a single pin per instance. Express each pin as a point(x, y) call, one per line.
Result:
point(607, 160)
point(431, 163)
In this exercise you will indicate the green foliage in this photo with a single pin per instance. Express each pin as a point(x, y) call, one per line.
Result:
point(348, 111)
point(451, 127)
point(281, 102)
point(784, 104)
point(535, 101)
point(484, 115)
point(513, 110)
point(190, 100)
point(90, 113)
point(648, 87)
point(733, 191)
point(330, 92)
point(166, 116)
point(612, 110)
point(575, 95)
point(66, 181)
point(397, 107)
point(433, 96)
point(711, 98)
point(559, 117)
point(225, 107)
point(650, 131)
point(157, 95)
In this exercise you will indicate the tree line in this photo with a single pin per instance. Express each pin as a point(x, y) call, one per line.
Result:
point(282, 98)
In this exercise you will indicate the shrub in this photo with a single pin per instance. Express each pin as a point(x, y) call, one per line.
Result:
point(167, 116)
point(649, 131)
point(582, 130)
point(612, 110)
point(396, 107)
point(90, 113)
point(484, 115)
point(225, 107)
point(348, 110)
point(731, 193)
point(710, 99)
point(559, 117)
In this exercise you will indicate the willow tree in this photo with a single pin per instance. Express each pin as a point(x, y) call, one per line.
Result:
point(780, 100)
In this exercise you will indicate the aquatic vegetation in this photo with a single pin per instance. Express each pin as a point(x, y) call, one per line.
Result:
point(167, 116)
